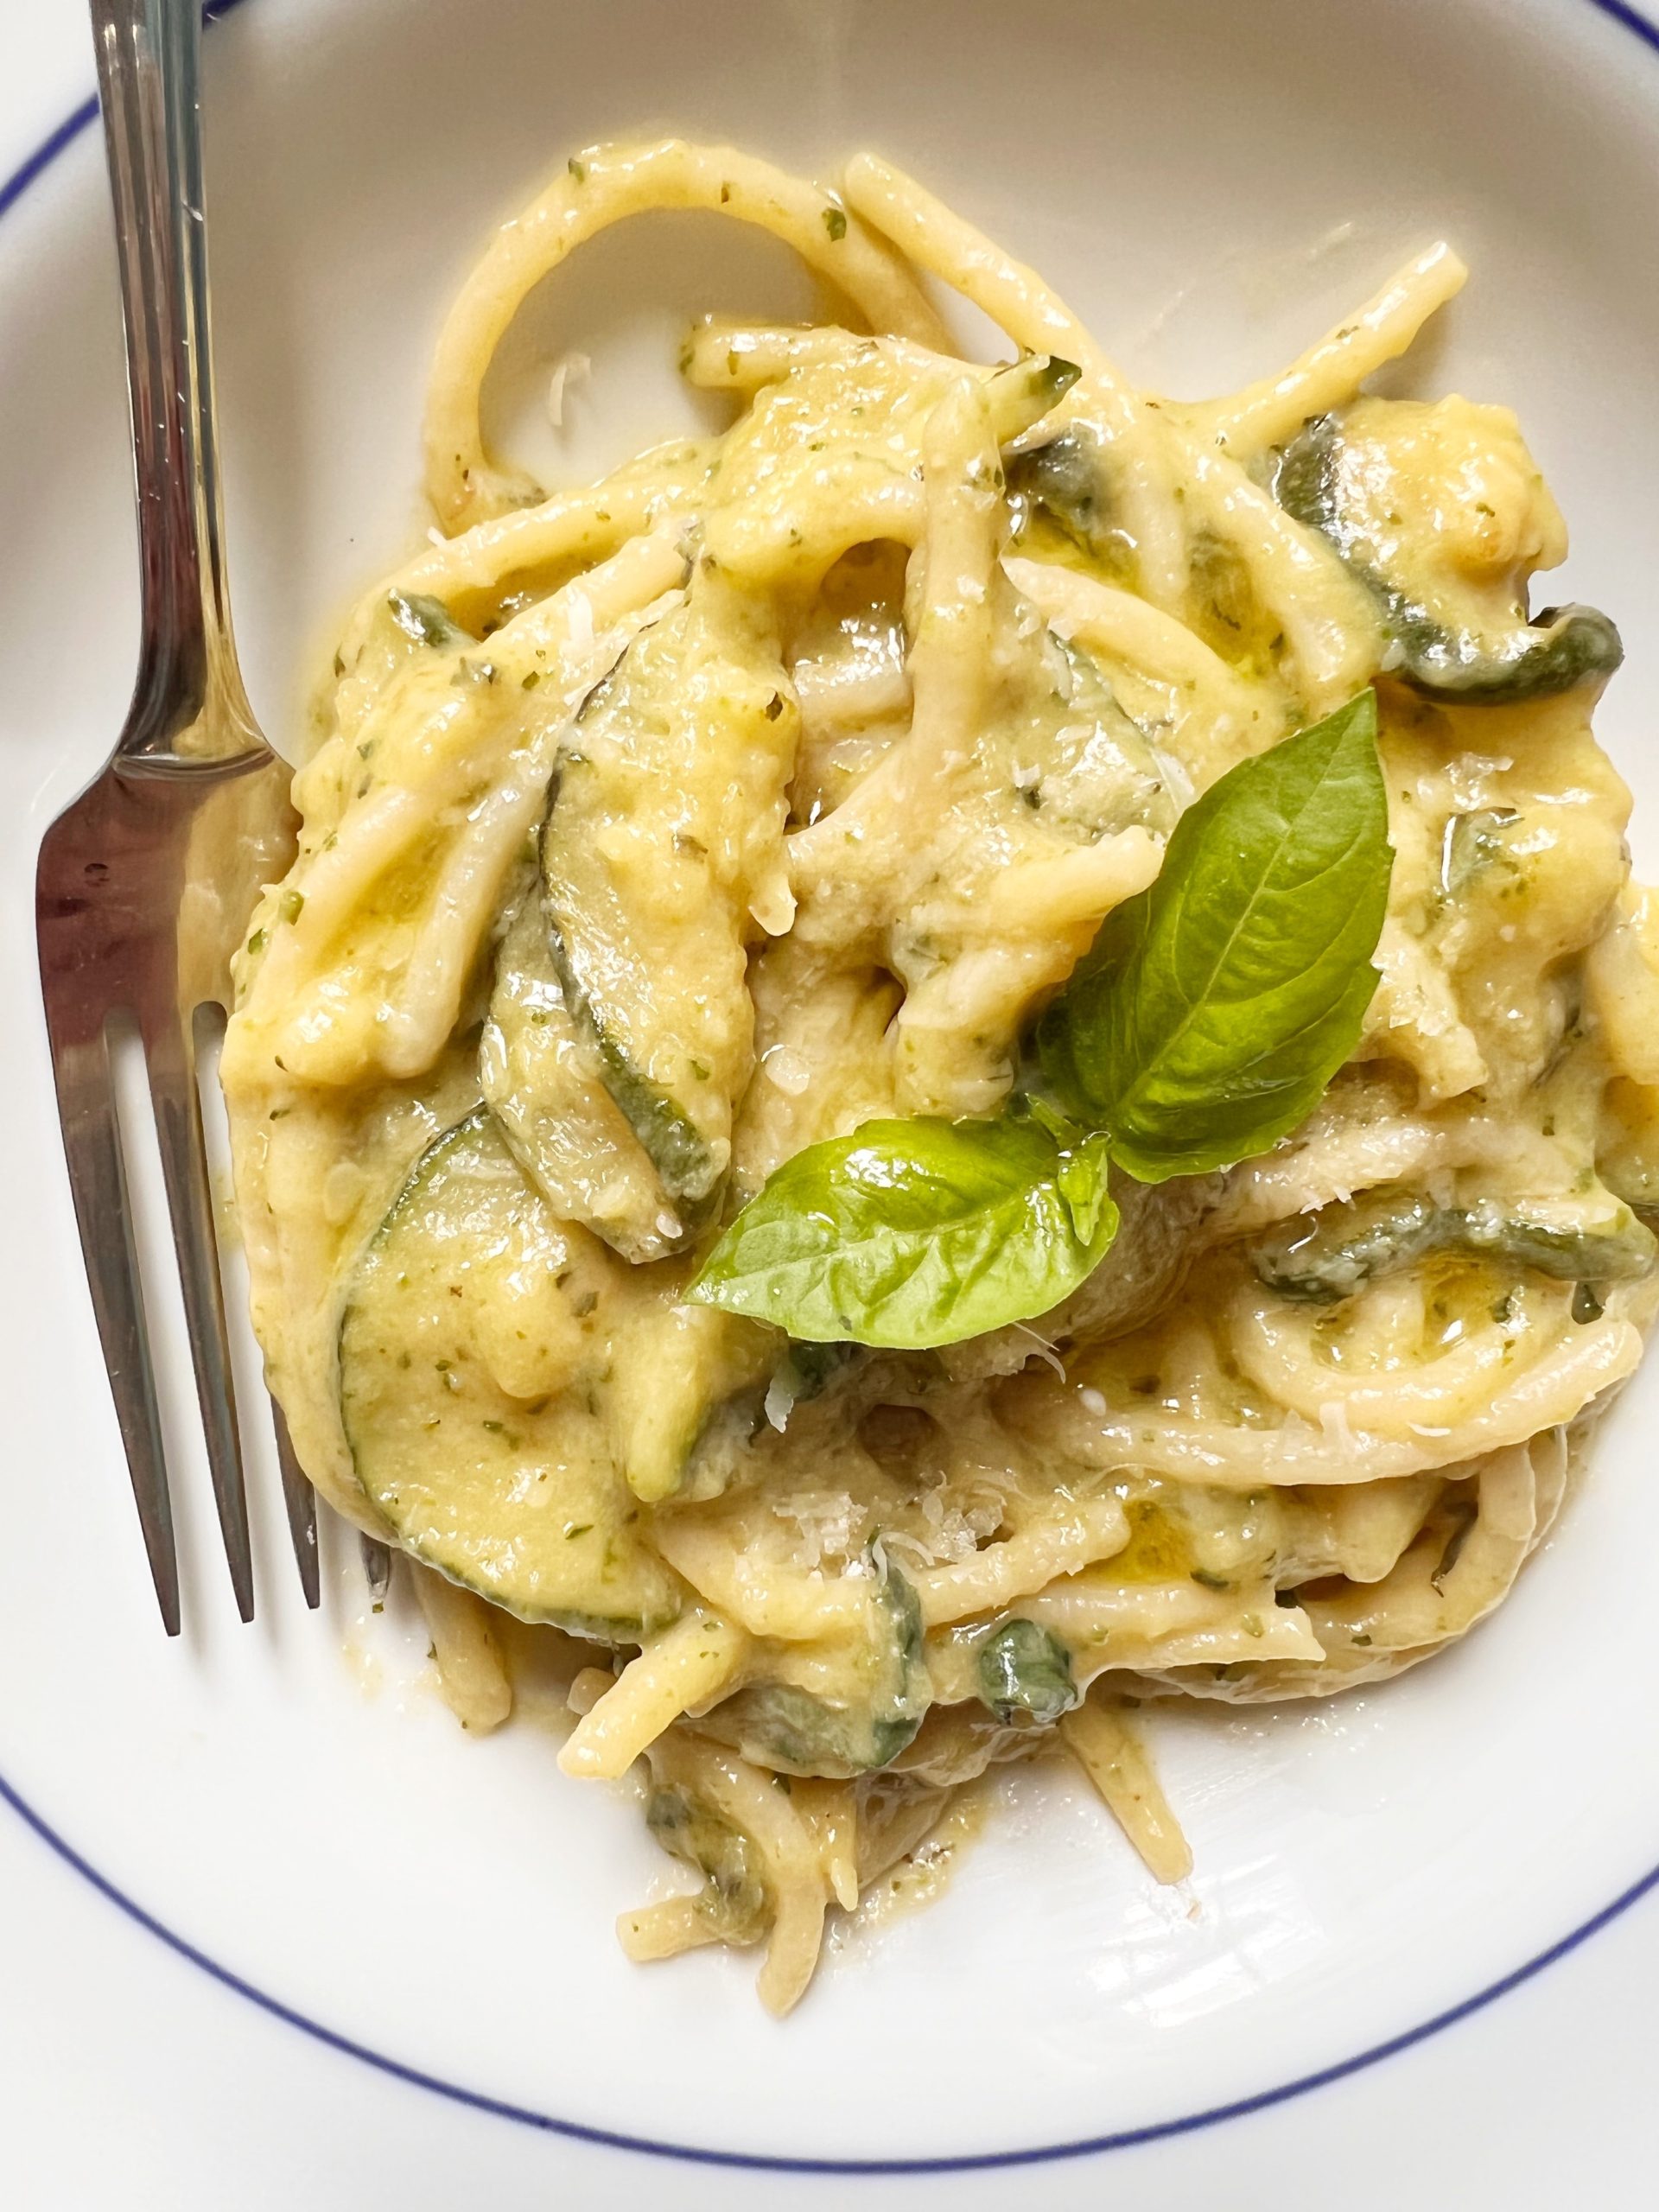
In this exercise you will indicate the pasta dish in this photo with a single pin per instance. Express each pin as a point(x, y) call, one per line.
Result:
point(971, 1055)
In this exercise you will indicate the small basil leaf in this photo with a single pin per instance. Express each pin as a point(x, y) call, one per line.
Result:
point(911, 1234)
point(1213, 1008)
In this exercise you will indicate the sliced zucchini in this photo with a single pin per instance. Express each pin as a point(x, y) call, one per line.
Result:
point(1083, 769)
point(1553, 651)
point(1321, 1258)
point(1381, 480)
point(470, 1334)
point(715, 1449)
point(672, 760)
point(1324, 1257)
point(1616, 1247)
point(686, 1388)
point(857, 1727)
point(1025, 1674)
point(542, 1076)
point(1060, 491)
point(1069, 762)
point(734, 1902)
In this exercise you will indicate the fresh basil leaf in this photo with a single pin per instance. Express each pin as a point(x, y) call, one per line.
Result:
point(1213, 1008)
point(911, 1234)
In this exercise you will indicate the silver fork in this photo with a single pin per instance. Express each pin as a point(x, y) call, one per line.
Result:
point(145, 881)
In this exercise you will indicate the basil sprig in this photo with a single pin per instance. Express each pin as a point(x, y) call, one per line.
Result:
point(1211, 1010)
point(1203, 1023)
point(910, 1234)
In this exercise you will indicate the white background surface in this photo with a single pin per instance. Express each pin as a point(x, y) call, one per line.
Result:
point(128, 2078)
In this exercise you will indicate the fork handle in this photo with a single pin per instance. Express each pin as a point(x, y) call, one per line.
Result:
point(188, 702)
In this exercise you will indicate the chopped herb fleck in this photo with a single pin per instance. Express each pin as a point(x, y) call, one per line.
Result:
point(427, 620)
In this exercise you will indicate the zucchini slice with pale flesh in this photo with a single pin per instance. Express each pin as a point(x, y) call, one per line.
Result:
point(864, 1706)
point(645, 889)
point(1325, 1257)
point(542, 1075)
point(1386, 483)
point(471, 1334)
point(685, 1388)
point(1080, 768)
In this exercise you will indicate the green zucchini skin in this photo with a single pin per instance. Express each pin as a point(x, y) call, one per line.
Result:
point(645, 872)
point(1456, 663)
point(603, 968)
point(687, 1385)
point(683, 1395)
point(1561, 648)
point(1623, 1251)
point(688, 1829)
point(1321, 1259)
point(542, 1076)
point(717, 1440)
point(1065, 482)
point(690, 1171)
point(1025, 1674)
point(511, 1492)
point(792, 1730)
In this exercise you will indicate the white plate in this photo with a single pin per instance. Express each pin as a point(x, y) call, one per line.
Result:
point(1209, 185)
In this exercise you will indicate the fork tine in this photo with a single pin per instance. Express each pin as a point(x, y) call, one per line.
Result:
point(301, 1503)
point(377, 1567)
point(172, 1062)
point(97, 1181)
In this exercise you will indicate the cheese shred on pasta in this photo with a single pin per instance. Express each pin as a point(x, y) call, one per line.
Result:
point(664, 827)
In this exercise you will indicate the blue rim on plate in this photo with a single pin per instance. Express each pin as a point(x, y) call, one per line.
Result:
point(1122, 2139)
